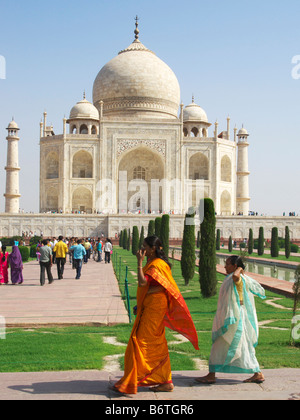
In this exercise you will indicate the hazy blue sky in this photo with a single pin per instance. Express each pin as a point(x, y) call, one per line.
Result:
point(234, 56)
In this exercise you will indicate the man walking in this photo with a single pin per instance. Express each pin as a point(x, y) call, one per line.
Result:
point(78, 255)
point(45, 262)
point(60, 250)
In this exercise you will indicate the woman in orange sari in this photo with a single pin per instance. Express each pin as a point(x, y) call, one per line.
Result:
point(159, 305)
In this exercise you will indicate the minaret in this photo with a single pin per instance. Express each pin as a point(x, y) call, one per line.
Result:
point(12, 196)
point(242, 185)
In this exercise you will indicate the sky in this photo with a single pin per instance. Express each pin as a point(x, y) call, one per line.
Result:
point(238, 58)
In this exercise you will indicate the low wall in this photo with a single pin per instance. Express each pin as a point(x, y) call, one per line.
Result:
point(82, 225)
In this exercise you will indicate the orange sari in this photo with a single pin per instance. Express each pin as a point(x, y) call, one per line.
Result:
point(147, 360)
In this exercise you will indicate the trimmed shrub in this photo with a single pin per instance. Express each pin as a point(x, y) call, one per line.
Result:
point(135, 240)
point(274, 243)
point(207, 263)
point(151, 228)
point(250, 242)
point(218, 240)
point(230, 244)
point(261, 242)
point(287, 243)
point(158, 227)
point(188, 257)
point(24, 252)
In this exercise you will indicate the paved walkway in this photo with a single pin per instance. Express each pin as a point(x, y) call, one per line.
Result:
point(283, 384)
point(95, 299)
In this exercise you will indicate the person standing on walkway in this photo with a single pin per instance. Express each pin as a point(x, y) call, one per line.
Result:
point(4, 266)
point(235, 327)
point(87, 246)
point(16, 265)
point(99, 248)
point(159, 305)
point(60, 250)
point(108, 250)
point(45, 262)
point(78, 254)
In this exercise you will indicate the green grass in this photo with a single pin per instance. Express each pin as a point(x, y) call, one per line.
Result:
point(81, 348)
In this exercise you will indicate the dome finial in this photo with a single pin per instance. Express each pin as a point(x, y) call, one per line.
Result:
point(136, 32)
point(84, 96)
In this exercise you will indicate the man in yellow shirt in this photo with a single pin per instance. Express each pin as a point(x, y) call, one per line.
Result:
point(60, 250)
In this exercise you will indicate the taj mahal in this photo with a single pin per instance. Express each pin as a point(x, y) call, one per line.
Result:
point(133, 152)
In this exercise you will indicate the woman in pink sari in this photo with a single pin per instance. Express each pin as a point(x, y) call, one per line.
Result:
point(3, 266)
point(16, 265)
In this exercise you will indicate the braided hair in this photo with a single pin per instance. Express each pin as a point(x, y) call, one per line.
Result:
point(154, 241)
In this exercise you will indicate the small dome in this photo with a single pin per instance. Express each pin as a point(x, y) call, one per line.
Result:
point(84, 110)
point(243, 132)
point(194, 112)
point(13, 126)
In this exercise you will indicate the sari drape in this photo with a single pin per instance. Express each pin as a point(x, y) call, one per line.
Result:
point(147, 360)
point(235, 328)
point(3, 268)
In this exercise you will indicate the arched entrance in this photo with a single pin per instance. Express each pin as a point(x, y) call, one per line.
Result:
point(136, 170)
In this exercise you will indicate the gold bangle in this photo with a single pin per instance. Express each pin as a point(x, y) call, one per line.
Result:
point(139, 266)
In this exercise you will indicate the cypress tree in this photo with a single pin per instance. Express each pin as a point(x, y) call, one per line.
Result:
point(287, 243)
point(218, 240)
point(250, 242)
point(198, 239)
point(125, 238)
point(142, 237)
point(151, 228)
point(188, 257)
point(135, 240)
point(230, 244)
point(121, 238)
point(274, 242)
point(207, 263)
point(164, 233)
point(128, 241)
point(261, 242)
point(157, 226)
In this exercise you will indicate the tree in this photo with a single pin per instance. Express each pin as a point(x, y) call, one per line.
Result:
point(287, 243)
point(207, 262)
point(261, 242)
point(125, 238)
point(250, 242)
point(121, 239)
point(142, 237)
point(198, 239)
point(151, 228)
point(274, 243)
point(188, 257)
point(218, 240)
point(157, 226)
point(164, 233)
point(128, 241)
point(135, 240)
point(230, 244)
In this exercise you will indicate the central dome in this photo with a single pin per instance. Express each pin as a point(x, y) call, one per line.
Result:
point(137, 83)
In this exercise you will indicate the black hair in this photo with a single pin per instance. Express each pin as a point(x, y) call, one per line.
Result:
point(44, 241)
point(237, 260)
point(154, 241)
